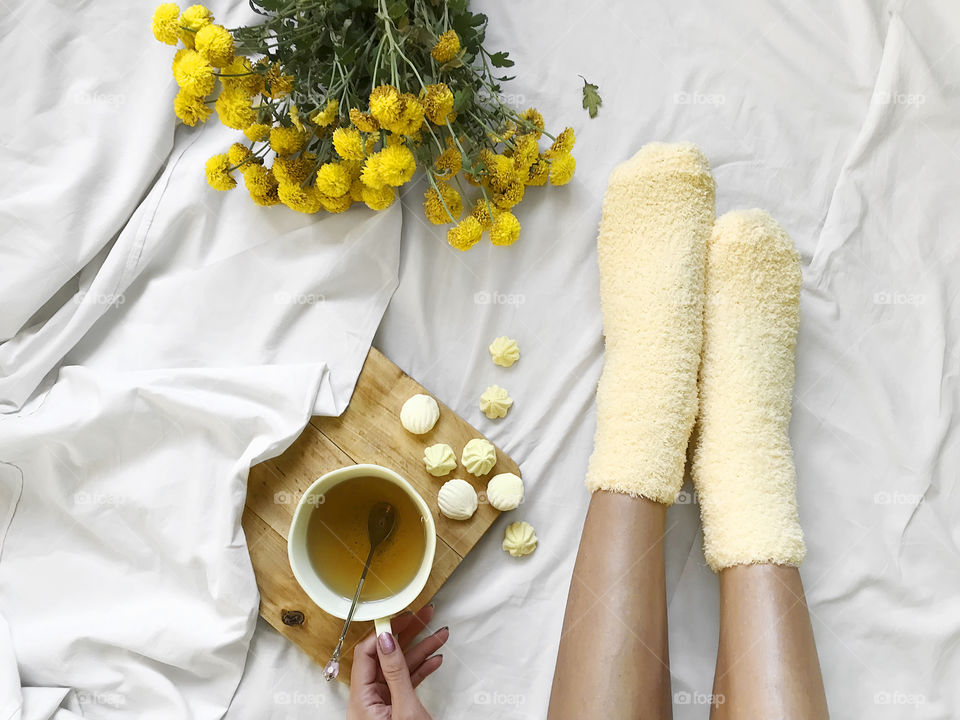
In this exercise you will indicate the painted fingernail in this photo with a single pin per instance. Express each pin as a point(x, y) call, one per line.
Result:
point(386, 642)
point(445, 627)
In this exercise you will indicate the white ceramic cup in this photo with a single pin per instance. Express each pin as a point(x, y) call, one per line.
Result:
point(380, 611)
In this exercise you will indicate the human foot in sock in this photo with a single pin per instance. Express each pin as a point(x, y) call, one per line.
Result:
point(657, 215)
point(743, 465)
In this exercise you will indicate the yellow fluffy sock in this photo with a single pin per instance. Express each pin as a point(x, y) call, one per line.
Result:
point(742, 465)
point(657, 214)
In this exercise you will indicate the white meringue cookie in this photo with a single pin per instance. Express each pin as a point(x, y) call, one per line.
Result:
point(505, 491)
point(478, 456)
point(439, 459)
point(457, 499)
point(495, 402)
point(519, 539)
point(504, 351)
point(419, 414)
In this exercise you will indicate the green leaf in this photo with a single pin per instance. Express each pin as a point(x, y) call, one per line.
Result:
point(591, 98)
point(461, 98)
point(396, 9)
point(501, 60)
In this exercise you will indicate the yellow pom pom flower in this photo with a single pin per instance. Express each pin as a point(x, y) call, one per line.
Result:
point(444, 206)
point(193, 73)
point(302, 199)
point(397, 165)
point(411, 118)
point(234, 110)
point(563, 143)
point(257, 132)
point(276, 83)
point(240, 154)
point(386, 105)
point(505, 230)
point(448, 163)
point(240, 77)
point(562, 166)
point(190, 108)
point(293, 170)
point(533, 122)
point(333, 180)
point(437, 103)
point(364, 122)
point(215, 43)
point(287, 140)
point(261, 184)
point(538, 172)
point(525, 152)
point(370, 174)
point(465, 234)
point(348, 143)
point(193, 18)
point(218, 173)
point(482, 212)
point(336, 204)
point(446, 47)
point(500, 171)
point(378, 198)
point(166, 27)
point(325, 117)
point(509, 196)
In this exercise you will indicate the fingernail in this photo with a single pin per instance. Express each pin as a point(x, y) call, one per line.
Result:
point(386, 642)
point(431, 604)
point(445, 627)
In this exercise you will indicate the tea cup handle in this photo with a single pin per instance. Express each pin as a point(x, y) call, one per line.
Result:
point(382, 625)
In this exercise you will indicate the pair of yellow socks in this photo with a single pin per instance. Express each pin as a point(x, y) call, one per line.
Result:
point(700, 321)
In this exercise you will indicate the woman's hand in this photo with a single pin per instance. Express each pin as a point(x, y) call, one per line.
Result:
point(386, 670)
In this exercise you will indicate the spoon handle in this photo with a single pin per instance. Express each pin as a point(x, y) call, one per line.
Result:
point(332, 668)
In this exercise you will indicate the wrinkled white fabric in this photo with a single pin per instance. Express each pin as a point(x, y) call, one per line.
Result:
point(837, 118)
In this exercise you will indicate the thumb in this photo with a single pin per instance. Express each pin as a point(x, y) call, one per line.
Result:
point(395, 672)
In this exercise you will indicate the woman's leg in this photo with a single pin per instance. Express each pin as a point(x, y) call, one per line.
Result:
point(767, 664)
point(613, 660)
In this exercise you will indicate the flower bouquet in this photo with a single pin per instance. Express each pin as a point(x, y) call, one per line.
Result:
point(340, 101)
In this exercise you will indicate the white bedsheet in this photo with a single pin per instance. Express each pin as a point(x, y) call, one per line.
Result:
point(840, 119)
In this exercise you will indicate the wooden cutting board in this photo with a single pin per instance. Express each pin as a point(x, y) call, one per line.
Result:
point(369, 431)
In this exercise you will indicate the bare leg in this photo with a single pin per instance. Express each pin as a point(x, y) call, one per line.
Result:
point(613, 660)
point(767, 664)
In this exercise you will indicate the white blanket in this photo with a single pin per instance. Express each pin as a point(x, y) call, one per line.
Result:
point(123, 575)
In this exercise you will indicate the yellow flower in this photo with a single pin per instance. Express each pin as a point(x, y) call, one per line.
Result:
point(190, 108)
point(532, 116)
point(482, 212)
point(465, 234)
point(563, 143)
point(500, 171)
point(509, 196)
point(411, 118)
point(525, 151)
point(239, 76)
point(437, 103)
point(333, 179)
point(370, 174)
point(378, 198)
point(278, 83)
point(239, 154)
point(561, 168)
point(295, 117)
point(336, 204)
point(215, 43)
point(444, 206)
point(166, 29)
point(193, 73)
point(505, 230)
point(218, 173)
point(447, 47)
point(302, 199)
point(193, 18)
point(293, 170)
point(348, 143)
point(261, 184)
point(448, 163)
point(287, 140)
point(364, 121)
point(386, 105)
point(234, 111)
point(538, 172)
point(325, 117)
point(397, 165)
point(257, 132)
